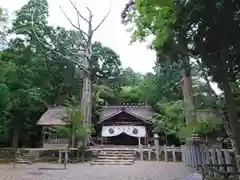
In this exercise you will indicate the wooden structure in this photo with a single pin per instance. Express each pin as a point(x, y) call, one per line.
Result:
point(52, 117)
point(125, 125)
point(135, 118)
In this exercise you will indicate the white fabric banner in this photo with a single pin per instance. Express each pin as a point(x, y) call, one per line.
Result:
point(134, 131)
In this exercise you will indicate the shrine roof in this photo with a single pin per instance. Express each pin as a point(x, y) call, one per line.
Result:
point(53, 116)
point(143, 112)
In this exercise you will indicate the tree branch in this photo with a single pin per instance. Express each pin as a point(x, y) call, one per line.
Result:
point(81, 67)
point(75, 7)
point(90, 12)
point(102, 20)
point(78, 28)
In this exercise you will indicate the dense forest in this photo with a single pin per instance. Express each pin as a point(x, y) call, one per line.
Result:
point(33, 78)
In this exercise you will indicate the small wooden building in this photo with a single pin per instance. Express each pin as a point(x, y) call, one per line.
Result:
point(52, 117)
point(125, 125)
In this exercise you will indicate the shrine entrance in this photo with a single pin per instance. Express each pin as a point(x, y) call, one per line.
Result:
point(125, 125)
point(123, 134)
point(122, 139)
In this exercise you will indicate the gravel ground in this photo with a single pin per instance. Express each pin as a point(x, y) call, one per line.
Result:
point(141, 170)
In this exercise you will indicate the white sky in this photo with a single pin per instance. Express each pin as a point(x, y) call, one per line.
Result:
point(112, 33)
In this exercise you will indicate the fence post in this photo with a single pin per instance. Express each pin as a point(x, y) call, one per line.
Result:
point(227, 159)
point(173, 153)
point(59, 156)
point(187, 154)
point(149, 152)
point(183, 154)
point(198, 152)
point(65, 158)
point(165, 153)
point(141, 152)
point(213, 156)
point(191, 156)
point(202, 154)
point(220, 158)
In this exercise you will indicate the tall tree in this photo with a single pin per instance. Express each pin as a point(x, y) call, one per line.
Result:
point(189, 30)
point(84, 55)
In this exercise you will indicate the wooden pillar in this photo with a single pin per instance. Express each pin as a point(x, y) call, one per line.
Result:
point(43, 135)
point(139, 142)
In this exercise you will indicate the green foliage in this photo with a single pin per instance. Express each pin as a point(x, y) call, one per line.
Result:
point(33, 77)
point(150, 17)
point(203, 127)
point(169, 118)
point(74, 128)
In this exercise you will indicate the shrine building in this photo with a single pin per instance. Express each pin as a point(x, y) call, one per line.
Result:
point(118, 125)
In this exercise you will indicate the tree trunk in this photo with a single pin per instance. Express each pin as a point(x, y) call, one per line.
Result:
point(189, 108)
point(15, 141)
point(17, 132)
point(231, 110)
point(73, 141)
point(86, 102)
point(233, 121)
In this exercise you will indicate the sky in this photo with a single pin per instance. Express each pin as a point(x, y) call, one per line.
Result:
point(112, 33)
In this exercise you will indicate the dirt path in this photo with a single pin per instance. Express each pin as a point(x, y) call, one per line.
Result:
point(141, 170)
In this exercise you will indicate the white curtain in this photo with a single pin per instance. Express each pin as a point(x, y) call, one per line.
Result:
point(110, 131)
point(134, 131)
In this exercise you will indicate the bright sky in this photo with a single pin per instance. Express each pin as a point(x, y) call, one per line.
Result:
point(112, 33)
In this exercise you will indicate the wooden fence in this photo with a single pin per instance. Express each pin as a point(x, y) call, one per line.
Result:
point(194, 156)
point(159, 153)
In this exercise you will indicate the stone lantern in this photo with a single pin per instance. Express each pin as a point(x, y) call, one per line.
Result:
point(156, 143)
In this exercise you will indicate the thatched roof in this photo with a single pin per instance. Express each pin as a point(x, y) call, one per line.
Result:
point(144, 113)
point(53, 116)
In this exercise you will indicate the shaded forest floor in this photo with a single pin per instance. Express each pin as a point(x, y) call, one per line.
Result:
point(140, 170)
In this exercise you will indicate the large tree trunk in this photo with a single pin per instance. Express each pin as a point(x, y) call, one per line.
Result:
point(231, 110)
point(233, 120)
point(189, 108)
point(86, 103)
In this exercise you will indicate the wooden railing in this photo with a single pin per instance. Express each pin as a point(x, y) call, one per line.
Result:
point(194, 156)
point(219, 172)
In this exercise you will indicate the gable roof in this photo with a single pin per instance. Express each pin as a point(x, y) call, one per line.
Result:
point(143, 113)
point(53, 116)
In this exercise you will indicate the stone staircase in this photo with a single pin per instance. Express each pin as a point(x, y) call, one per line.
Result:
point(114, 157)
point(54, 146)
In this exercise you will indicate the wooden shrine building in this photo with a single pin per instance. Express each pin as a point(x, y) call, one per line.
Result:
point(124, 125)
point(118, 125)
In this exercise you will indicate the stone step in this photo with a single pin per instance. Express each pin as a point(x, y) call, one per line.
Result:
point(115, 154)
point(112, 163)
point(113, 160)
point(115, 157)
point(123, 150)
